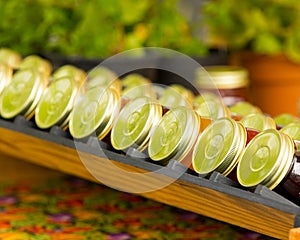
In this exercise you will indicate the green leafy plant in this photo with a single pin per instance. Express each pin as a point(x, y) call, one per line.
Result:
point(263, 26)
point(95, 28)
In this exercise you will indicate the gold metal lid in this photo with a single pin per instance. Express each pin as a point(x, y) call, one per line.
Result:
point(175, 135)
point(222, 77)
point(142, 90)
point(38, 63)
point(6, 73)
point(211, 106)
point(266, 159)
point(94, 112)
point(243, 109)
point(134, 79)
point(38, 95)
point(258, 121)
point(20, 96)
point(76, 74)
point(56, 103)
point(284, 119)
point(10, 57)
point(293, 130)
point(219, 147)
point(135, 85)
point(135, 123)
point(175, 96)
point(186, 93)
point(103, 77)
point(286, 163)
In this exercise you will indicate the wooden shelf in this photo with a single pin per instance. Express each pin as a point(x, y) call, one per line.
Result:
point(262, 211)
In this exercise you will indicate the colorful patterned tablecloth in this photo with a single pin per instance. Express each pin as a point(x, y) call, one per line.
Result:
point(72, 208)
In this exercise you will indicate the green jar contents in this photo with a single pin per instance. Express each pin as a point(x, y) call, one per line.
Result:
point(175, 136)
point(94, 112)
point(266, 160)
point(56, 103)
point(22, 94)
point(135, 124)
point(219, 146)
point(231, 82)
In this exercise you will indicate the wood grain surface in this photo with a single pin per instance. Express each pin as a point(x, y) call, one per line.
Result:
point(208, 202)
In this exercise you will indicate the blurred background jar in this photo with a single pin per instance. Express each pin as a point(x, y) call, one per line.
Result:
point(230, 82)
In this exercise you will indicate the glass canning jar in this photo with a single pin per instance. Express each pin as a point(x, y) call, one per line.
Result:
point(135, 123)
point(258, 121)
point(95, 111)
point(175, 136)
point(271, 159)
point(219, 146)
point(231, 82)
point(56, 103)
point(21, 95)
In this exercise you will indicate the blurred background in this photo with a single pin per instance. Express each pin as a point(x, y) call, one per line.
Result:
point(97, 28)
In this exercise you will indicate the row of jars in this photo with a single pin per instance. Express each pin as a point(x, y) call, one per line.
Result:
point(246, 155)
point(200, 131)
point(30, 88)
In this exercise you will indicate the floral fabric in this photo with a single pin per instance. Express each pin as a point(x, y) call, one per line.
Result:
point(73, 209)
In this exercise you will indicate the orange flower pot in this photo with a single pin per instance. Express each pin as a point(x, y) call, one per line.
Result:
point(274, 81)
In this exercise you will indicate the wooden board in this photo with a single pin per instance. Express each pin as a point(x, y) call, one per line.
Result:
point(270, 215)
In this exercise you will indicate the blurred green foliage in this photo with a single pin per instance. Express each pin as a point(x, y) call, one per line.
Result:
point(263, 26)
point(94, 28)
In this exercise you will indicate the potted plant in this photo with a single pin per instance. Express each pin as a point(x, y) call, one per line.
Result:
point(264, 37)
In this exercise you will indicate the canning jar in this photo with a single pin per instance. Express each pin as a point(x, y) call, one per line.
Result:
point(231, 82)
point(176, 95)
point(140, 90)
point(103, 77)
point(76, 74)
point(209, 105)
point(270, 160)
point(258, 121)
point(22, 94)
point(94, 112)
point(10, 57)
point(219, 146)
point(135, 124)
point(56, 103)
point(175, 136)
point(38, 63)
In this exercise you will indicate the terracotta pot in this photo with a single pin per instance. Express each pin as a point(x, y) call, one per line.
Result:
point(274, 81)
